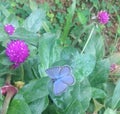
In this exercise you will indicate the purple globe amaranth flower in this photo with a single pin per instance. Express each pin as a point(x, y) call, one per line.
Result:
point(10, 29)
point(17, 51)
point(103, 17)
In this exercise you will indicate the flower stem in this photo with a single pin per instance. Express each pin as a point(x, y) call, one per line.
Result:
point(22, 73)
point(88, 40)
point(6, 103)
point(8, 79)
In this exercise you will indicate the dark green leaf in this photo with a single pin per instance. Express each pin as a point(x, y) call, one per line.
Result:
point(96, 45)
point(100, 73)
point(109, 111)
point(12, 19)
point(116, 95)
point(98, 93)
point(49, 52)
point(39, 105)
point(25, 35)
point(35, 89)
point(83, 65)
point(18, 106)
point(34, 22)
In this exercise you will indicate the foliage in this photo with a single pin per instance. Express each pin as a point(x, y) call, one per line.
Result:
point(62, 33)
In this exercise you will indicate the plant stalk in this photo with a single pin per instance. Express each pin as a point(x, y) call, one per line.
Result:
point(6, 102)
point(88, 40)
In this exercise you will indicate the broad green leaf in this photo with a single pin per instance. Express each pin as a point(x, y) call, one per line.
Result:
point(35, 89)
point(23, 34)
point(75, 99)
point(4, 60)
point(68, 53)
point(98, 93)
point(12, 19)
point(85, 93)
point(116, 95)
point(110, 111)
point(31, 69)
point(34, 22)
point(18, 106)
point(4, 10)
point(51, 109)
point(39, 105)
point(49, 52)
point(83, 65)
point(96, 45)
point(75, 108)
point(4, 39)
point(100, 73)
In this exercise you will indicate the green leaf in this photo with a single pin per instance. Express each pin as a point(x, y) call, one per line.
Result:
point(68, 53)
point(12, 19)
point(39, 105)
point(35, 89)
point(4, 10)
point(83, 65)
point(4, 59)
point(49, 52)
point(116, 95)
point(82, 18)
point(81, 96)
point(51, 109)
point(1, 103)
point(18, 106)
point(33, 5)
point(110, 111)
point(1, 84)
point(75, 99)
point(100, 73)
point(34, 22)
point(23, 34)
point(75, 108)
point(68, 24)
point(98, 106)
point(96, 45)
point(5, 70)
point(3, 36)
point(98, 93)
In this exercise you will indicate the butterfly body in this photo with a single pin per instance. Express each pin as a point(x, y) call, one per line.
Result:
point(62, 78)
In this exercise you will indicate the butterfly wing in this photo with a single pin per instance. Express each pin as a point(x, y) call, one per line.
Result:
point(68, 79)
point(67, 76)
point(65, 70)
point(59, 87)
point(53, 73)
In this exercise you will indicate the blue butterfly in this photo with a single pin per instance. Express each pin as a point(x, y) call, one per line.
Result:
point(62, 78)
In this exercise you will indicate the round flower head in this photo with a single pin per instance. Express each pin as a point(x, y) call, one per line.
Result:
point(103, 17)
point(10, 29)
point(17, 51)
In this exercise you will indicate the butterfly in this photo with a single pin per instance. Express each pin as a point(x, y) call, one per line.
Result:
point(62, 78)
